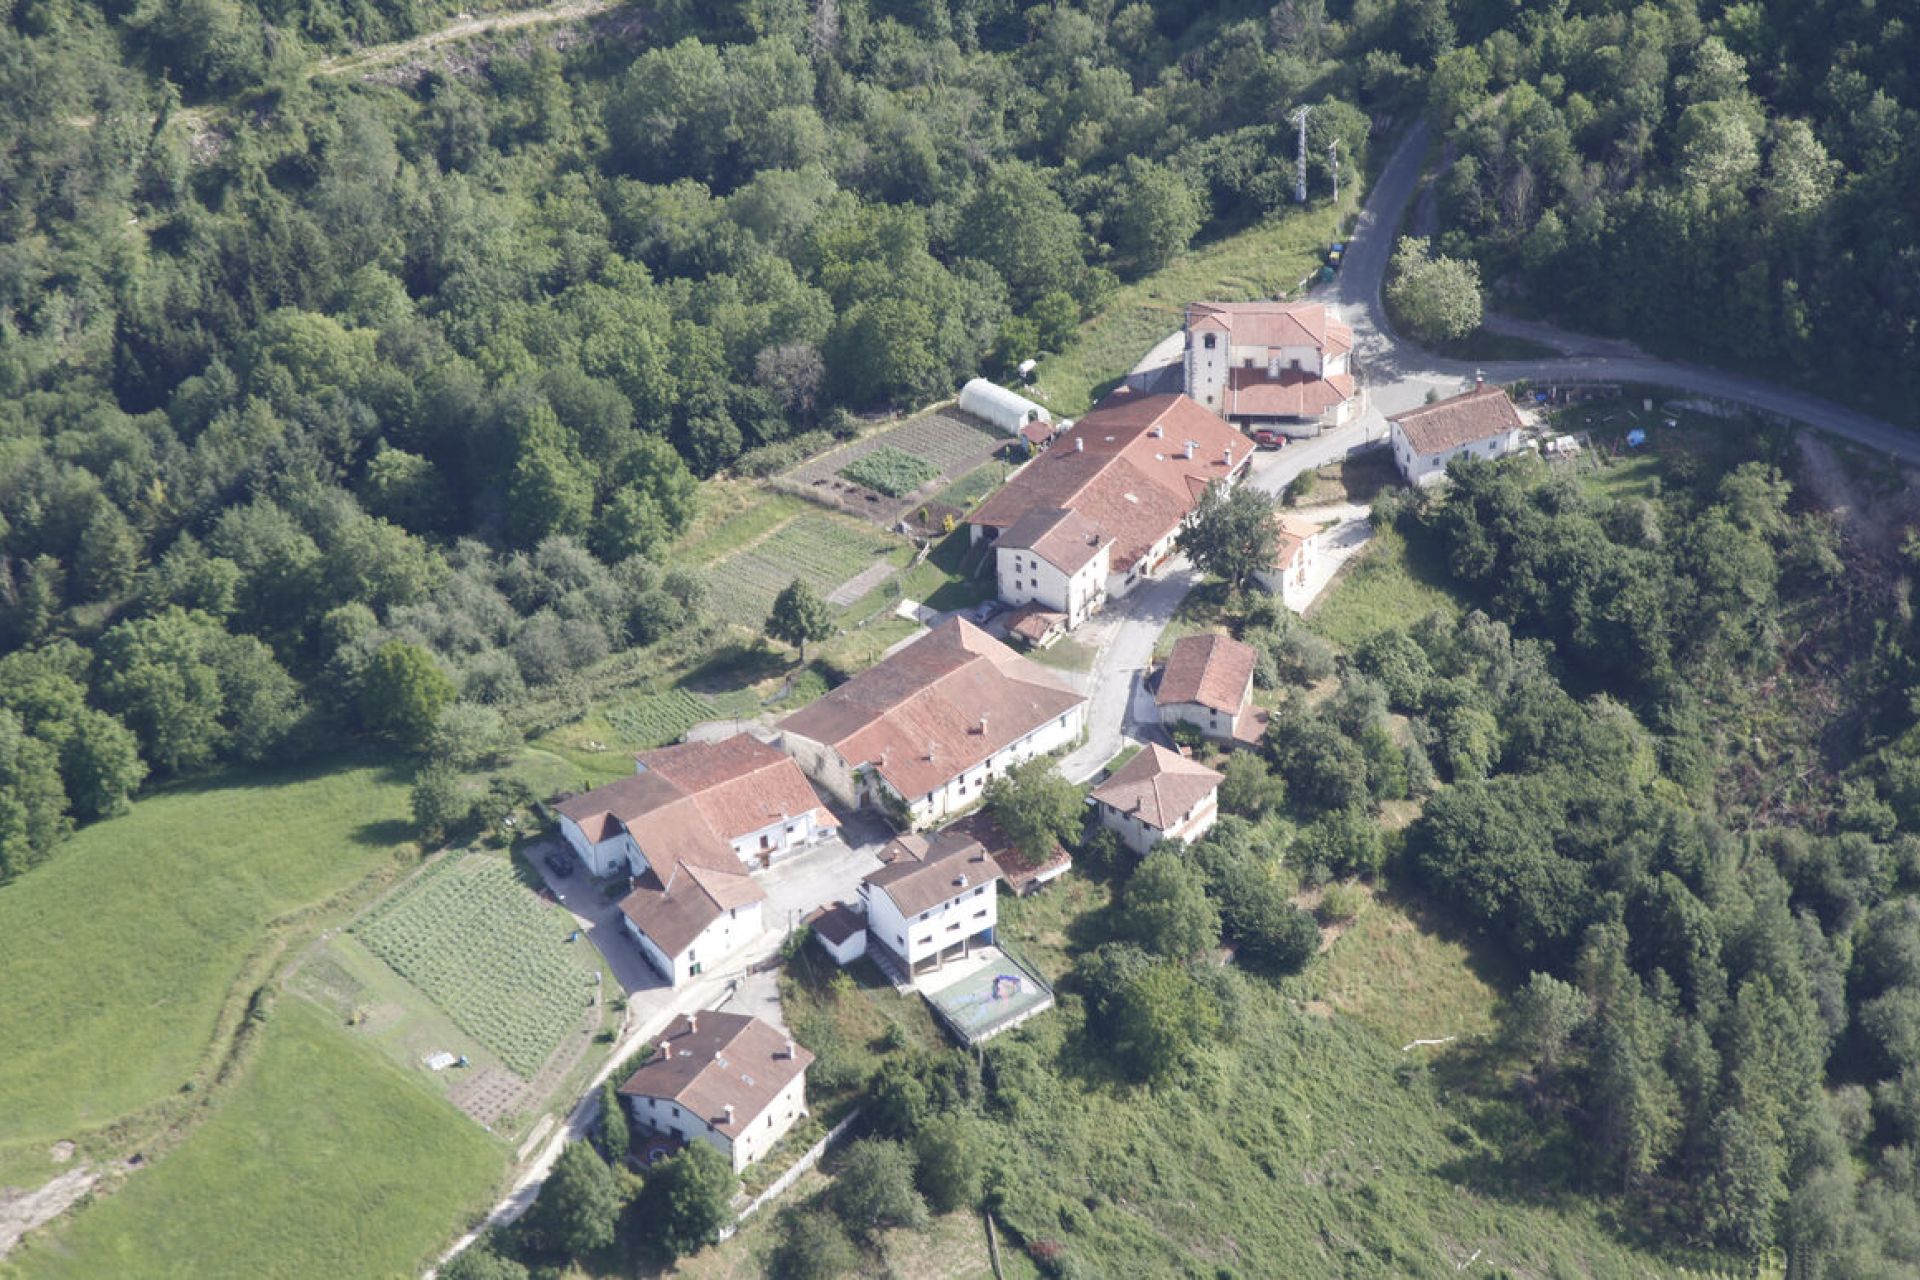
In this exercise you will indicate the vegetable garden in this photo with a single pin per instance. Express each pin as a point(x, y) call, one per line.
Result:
point(891, 471)
point(485, 950)
point(821, 551)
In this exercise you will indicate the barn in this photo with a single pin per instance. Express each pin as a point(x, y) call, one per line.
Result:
point(994, 404)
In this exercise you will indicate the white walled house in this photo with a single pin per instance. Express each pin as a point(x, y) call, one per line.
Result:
point(1285, 365)
point(1207, 682)
point(689, 828)
point(920, 733)
point(1481, 423)
point(1055, 558)
point(1158, 795)
point(1295, 547)
point(993, 404)
point(937, 897)
point(1129, 474)
point(841, 932)
point(727, 1079)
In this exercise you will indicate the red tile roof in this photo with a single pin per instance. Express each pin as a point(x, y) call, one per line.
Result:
point(1065, 539)
point(1251, 393)
point(1158, 786)
point(675, 911)
point(1124, 469)
point(1290, 534)
point(1273, 324)
point(836, 923)
point(1034, 624)
point(1479, 414)
point(1021, 872)
point(935, 709)
point(1212, 670)
point(709, 1061)
point(740, 784)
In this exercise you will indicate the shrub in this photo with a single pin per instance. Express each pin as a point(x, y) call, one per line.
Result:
point(891, 471)
point(873, 1187)
point(1342, 902)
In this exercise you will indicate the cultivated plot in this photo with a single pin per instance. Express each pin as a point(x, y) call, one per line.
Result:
point(819, 550)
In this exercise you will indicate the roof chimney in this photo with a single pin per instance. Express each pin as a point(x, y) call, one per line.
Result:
point(1155, 431)
point(693, 1023)
point(1229, 456)
point(1479, 377)
point(1190, 445)
point(729, 1111)
point(1079, 444)
point(983, 724)
point(791, 1053)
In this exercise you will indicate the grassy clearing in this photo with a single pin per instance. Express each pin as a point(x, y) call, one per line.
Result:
point(1258, 262)
point(1065, 655)
point(1389, 584)
point(327, 1160)
point(121, 953)
point(967, 492)
point(483, 948)
point(733, 513)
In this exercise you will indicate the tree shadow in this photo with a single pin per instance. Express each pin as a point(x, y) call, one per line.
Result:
point(737, 665)
point(384, 833)
point(1365, 474)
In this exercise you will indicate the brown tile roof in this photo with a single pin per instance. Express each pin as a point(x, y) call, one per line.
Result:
point(924, 871)
point(675, 911)
point(1033, 624)
point(1294, 394)
point(1124, 469)
point(1475, 415)
point(1209, 669)
point(740, 784)
point(708, 1061)
point(1064, 539)
point(836, 923)
point(936, 708)
point(1019, 870)
point(1273, 324)
point(1158, 786)
point(693, 799)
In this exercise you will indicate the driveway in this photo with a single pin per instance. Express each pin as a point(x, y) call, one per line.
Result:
point(598, 914)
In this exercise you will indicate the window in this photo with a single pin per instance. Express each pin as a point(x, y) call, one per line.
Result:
point(953, 926)
point(1247, 363)
point(981, 914)
point(1293, 364)
point(766, 841)
point(1209, 340)
point(676, 1113)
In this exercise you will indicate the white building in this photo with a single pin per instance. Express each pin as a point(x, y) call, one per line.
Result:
point(999, 407)
point(1294, 550)
point(1158, 795)
point(726, 1079)
point(1055, 558)
point(920, 733)
point(1208, 683)
point(1283, 365)
point(937, 897)
point(688, 828)
point(1129, 474)
point(1481, 423)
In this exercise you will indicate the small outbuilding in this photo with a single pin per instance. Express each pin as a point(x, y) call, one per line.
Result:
point(994, 404)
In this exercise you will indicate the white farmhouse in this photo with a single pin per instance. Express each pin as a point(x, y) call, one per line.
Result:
point(999, 407)
point(1280, 365)
point(688, 827)
point(1158, 795)
point(1294, 549)
point(920, 733)
point(726, 1079)
point(1481, 423)
point(937, 897)
point(1055, 558)
point(1208, 683)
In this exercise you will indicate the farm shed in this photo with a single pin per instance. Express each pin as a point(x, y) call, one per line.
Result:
point(994, 404)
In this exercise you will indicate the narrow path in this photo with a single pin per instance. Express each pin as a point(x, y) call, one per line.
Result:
point(463, 27)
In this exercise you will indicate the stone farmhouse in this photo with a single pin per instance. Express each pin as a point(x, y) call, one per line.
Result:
point(1098, 512)
point(919, 734)
point(1481, 423)
point(1158, 795)
point(1286, 366)
point(1207, 682)
point(726, 1079)
point(689, 826)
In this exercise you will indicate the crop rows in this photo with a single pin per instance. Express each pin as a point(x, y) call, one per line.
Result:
point(483, 949)
point(821, 552)
point(655, 719)
point(943, 441)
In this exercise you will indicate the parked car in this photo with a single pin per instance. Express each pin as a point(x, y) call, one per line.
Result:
point(559, 863)
point(1269, 438)
point(986, 610)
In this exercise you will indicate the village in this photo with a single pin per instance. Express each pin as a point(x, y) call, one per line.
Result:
point(857, 819)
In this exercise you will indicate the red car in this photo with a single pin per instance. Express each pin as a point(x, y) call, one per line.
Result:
point(1269, 437)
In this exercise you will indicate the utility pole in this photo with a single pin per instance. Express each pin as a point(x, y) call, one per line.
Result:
point(1333, 162)
point(1300, 161)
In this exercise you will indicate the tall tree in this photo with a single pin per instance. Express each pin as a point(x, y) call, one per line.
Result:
point(579, 1205)
point(1437, 297)
point(1231, 534)
point(1035, 807)
point(799, 616)
point(403, 691)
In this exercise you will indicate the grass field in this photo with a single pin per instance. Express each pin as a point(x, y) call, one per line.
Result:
point(326, 1160)
point(484, 949)
point(966, 492)
point(818, 549)
point(1258, 262)
point(120, 953)
point(1389, 584)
